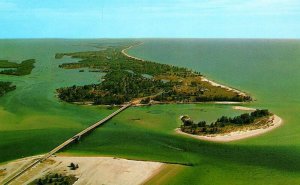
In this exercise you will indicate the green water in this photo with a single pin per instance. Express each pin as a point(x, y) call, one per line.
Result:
point(269, 71)
point(32, 120)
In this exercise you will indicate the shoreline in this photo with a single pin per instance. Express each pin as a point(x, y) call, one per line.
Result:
point(130, 56)
point(237, 135)
point(204, 79)
point(163, 103)
point(213, 83)
point(112, 170)
point(190, 103)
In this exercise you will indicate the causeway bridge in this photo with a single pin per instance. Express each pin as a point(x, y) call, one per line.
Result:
point(64, 144)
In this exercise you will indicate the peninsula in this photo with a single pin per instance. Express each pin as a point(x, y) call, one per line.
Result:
point(128, 78)
point(131, 79)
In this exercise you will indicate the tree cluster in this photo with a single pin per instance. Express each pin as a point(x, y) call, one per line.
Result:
point(125, 79)
point(6, 87)
point(189, 126)
point(55, 179)
point(118, 87)
point(24, 68)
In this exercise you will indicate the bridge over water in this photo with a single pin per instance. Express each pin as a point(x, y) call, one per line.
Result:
point(64, 144)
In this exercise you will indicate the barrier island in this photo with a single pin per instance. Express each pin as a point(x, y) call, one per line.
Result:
point(128, 78)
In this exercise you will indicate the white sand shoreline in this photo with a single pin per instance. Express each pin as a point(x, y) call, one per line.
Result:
point(130, 56)
point(243, 108)
point(92, 170)
point(238, 135)
point(202, 77)
point(213, 83)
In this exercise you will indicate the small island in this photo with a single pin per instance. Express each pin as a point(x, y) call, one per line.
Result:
point(231, 128)
point(6, 87)
point(224, 124)
point(12, 68)
point(131, 79)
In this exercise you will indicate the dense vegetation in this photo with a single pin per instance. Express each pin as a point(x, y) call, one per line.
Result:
point(128, 78)
point(24, 68)
point(6, 87)
point(225, 124)
point(118, 87)
point(11, 68)
point(55, 179)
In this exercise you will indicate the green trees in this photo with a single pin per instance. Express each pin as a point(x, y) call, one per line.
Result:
point(145, 100)
point(125, 80)
point(24, 68)
point(118, 87)
point(73, 166)
point(201, 123)
point(6, 87)
point(186, 120)
point(218, 126)
point(51, 179)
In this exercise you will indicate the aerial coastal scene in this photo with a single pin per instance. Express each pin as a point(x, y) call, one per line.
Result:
point(149, 92)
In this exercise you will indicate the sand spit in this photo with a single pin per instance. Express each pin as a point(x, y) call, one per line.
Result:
point(92, 170)
point(124, 51)
point(223, 86)
point(243, 108)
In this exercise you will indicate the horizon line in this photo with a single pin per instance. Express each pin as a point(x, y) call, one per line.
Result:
point(87, 38)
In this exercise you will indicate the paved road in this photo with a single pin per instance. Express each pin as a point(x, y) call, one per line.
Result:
point(64, 144)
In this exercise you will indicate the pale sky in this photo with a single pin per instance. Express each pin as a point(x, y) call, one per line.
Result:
point(150, 19)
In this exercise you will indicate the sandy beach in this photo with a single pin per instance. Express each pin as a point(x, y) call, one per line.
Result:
point(124, 51)
point(243, 108)
point(92, 170)
point(203, 78)
point(223, 86)
point(275, 120)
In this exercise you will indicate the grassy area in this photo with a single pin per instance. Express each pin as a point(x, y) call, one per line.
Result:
point(24, 68)
point(128, 78)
